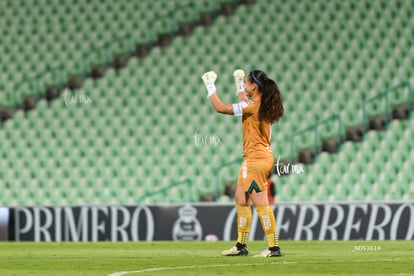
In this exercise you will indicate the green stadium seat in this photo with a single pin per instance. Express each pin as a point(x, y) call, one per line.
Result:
point(139, 128)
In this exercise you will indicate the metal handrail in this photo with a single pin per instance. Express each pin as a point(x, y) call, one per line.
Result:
point(314, 128)
point(385, 96)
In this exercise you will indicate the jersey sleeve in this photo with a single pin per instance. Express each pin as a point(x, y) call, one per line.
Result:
point(243, 107)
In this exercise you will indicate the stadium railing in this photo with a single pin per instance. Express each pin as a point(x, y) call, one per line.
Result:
point(217, 173)
point(314, 129)
point(385, 96)
point(164, 191)
point(37, 83)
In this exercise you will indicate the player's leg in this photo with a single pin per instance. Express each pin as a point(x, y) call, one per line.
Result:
point(258, 195)
point(244, 219)
point(268, 222)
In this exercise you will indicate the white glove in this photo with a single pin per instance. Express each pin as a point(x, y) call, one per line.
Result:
point(209, 78)
point(239, 81)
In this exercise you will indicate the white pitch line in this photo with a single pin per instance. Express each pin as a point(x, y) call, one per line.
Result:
point(191, 267)
point(152, 269)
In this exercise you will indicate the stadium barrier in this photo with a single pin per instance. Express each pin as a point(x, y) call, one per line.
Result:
point(388, 105)
point(386, 115)
point(218, 175)
point(184, 185)
point(4, 222)
point(304, 221)
point(316, 137)
point(39, 83)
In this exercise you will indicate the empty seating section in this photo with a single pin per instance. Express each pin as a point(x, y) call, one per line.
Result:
point(39, 35)
point(379, 168)
point(150, 125)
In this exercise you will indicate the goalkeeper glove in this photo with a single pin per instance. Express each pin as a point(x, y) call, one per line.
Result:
point(239, 81)
point(209, 78)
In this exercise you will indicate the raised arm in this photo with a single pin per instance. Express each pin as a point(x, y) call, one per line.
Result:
point(209, 79)
point(239, 82)
point(219, 106)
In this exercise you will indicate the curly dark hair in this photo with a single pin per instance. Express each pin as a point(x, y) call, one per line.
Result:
point(271, 106)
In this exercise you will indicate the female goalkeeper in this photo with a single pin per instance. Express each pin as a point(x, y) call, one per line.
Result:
point(264, 108)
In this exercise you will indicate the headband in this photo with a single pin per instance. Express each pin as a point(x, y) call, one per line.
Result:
point(256, 80)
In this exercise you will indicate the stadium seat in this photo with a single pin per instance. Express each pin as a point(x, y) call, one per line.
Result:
point(139, 128)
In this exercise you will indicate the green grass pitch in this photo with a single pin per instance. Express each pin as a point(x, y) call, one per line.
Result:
point(203, 258)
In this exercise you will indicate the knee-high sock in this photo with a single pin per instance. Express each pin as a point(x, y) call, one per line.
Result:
point(244, 219)
point(268, 221)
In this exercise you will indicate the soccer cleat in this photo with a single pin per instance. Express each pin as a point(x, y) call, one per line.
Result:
point(236, 251)
point(271, 252)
